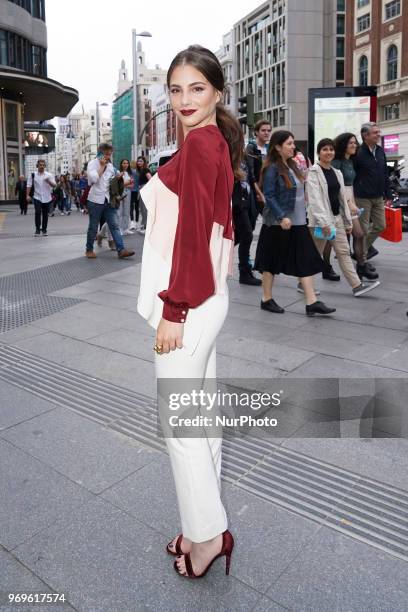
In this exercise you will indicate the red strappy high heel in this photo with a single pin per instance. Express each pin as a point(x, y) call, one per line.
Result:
point(177, 547)
point(227, 546)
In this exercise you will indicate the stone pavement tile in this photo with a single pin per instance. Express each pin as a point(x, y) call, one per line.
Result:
point(386, 356)
point(128, 342)
point(84, 451)
point(102, 313)
point(381, 459)
point(104, 298)
point(15, 578)
point(149, 495)
point(267, 538)
point(121, 289)
point(254, 313)
point(122, 370)
point(67, 324)
point(340, 574)
point(394, 318)
point(355, 331)
point(273, 354)
point(323, 366)
point(324, 344)
point(21, 333)
point(356, 312)
point(255, 330)
point(233, 367)
point(109, 562)
point(17, 405)
point(397, 359)
point(33, 495)
point(265, 604)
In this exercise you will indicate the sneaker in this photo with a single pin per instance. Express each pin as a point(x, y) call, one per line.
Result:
point(364, 288)
point(141, 230)
point(127, 233)
point(44, 233)
point(300, 289)
point(132, 225)
point(37, 234)
point(90, 254)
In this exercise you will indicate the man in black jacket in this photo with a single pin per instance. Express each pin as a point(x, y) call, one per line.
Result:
point(256, 154)
point(371, 185)
point(21, 192)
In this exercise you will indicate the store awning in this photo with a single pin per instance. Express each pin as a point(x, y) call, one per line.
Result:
point(43, 98)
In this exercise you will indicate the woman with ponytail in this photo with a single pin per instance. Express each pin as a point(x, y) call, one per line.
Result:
point(184, 295)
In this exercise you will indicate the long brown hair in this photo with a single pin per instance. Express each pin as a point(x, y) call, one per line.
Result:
point(207, 63)
point(274, 157)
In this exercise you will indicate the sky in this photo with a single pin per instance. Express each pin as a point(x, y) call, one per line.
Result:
point(87, 39)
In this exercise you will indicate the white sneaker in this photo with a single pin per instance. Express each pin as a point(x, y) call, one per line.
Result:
point(132, 225)
point(141, 230)
point(127, 233)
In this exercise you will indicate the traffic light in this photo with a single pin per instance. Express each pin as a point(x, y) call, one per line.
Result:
point(246, 108)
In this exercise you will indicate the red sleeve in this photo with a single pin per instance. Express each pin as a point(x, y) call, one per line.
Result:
point(192, 278)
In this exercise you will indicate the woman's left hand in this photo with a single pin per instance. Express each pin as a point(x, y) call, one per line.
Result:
point(169, 336)
point(348, 230)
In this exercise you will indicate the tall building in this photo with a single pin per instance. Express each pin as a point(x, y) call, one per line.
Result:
point(377, 54)
point(283, 48)
point(149, 81)
point(225, 56)
point(26, 94)
point(163, 128)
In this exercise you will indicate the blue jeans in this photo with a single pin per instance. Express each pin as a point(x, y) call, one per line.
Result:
point(111, 216)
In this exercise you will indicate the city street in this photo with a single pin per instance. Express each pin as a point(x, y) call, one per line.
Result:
point(88, 501)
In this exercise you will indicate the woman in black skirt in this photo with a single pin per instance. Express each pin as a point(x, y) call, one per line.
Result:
point(285, 244)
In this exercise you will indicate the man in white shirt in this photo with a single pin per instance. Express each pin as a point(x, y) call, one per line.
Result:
point(100, 172)
point(43, 183)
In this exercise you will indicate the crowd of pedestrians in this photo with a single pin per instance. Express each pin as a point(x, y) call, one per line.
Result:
point(308, 210)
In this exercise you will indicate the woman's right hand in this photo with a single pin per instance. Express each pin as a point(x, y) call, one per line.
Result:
point(286, 223)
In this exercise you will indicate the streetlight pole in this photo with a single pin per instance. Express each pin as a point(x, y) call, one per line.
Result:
point(135, 145)
point(97, 125)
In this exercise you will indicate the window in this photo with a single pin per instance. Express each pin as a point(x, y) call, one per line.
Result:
point(361, 3)
point(392, 63)
point(391, 111)
point(363, 23)
point(3, 48)
point(340, 70)
point(392, 9)
point(18, 52)
point(340, 47)
point(11, 122)
point(341, 5)
point(363, 71)
point(340, 24)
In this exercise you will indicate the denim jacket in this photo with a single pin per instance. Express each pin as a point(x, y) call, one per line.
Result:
point(279, 200)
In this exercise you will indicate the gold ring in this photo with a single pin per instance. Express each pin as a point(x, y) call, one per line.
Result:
point(158, 349)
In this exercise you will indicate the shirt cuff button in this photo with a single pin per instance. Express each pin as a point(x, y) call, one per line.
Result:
point(182, 320)
point(183, 312)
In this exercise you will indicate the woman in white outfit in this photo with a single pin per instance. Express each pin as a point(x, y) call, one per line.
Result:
point(124, 209)
point(183, 290)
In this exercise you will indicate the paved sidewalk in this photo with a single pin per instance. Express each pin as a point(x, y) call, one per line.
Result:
point(88, 502)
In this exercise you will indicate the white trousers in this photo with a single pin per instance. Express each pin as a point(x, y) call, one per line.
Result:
point(196, 462)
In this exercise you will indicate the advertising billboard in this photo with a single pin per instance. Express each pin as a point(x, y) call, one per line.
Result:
point(335, 110)
point(391, 144)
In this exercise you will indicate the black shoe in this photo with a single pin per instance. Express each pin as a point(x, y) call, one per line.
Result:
point(247, 278)
point(372, 252)
point(329, 274)
point(272, 306)
point(37, 234)
point(370, 266)
point(366, 272)
point(318, 308)
point(44, 233)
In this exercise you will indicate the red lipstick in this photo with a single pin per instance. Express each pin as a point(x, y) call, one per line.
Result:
point(186, 113)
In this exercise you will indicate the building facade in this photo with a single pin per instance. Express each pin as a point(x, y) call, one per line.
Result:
point(149, 81)
point(26, 94)
point(163, 128)
point(225, 56)
point(283, 48)
point(377, 54)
